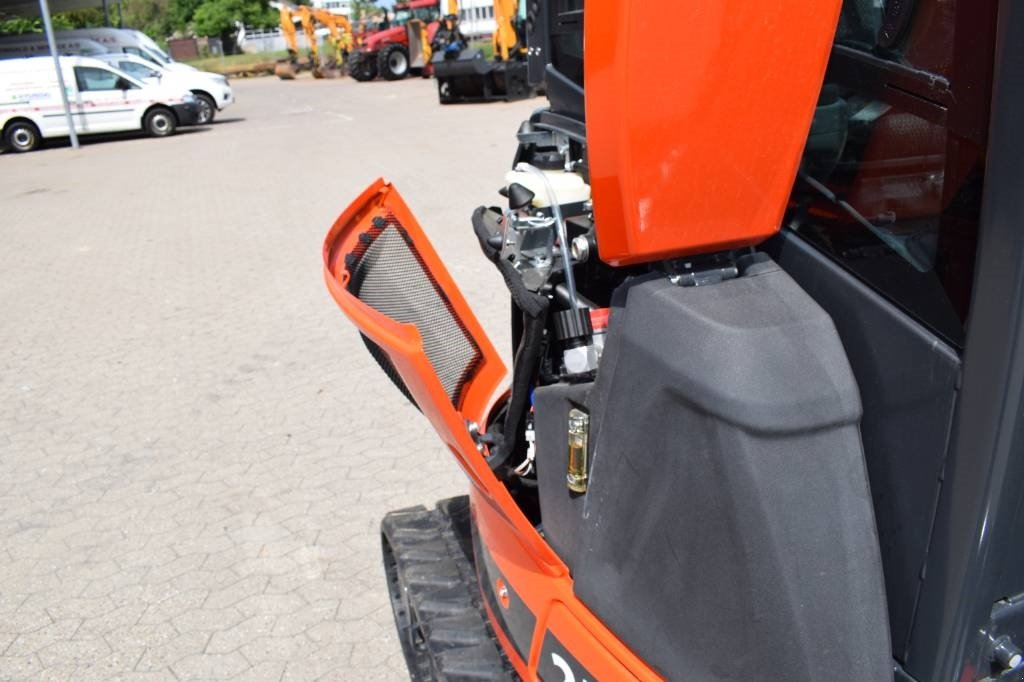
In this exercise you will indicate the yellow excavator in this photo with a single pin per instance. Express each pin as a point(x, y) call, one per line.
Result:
point(341, 41)
point(464, 75)
point(505, 40)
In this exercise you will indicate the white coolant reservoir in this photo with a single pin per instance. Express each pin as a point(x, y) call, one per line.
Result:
point(568, 187)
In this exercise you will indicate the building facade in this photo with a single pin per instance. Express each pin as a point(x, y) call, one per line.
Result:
point(343, 7)
point(476, 17)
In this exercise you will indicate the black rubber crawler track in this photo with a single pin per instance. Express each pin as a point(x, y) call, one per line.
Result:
point(428, 559)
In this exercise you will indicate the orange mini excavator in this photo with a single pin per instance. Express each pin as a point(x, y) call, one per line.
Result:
point(765, 419)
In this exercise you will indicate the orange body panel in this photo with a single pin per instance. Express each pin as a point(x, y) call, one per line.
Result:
point(698, 153)
point(525, 561)
point(404, 347)
point(552, 601)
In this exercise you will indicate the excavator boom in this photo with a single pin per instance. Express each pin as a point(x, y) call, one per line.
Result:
point(341, 38)
point(288, 29)
point(505, 38)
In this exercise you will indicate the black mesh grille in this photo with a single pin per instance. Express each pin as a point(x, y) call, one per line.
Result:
point(388, 275)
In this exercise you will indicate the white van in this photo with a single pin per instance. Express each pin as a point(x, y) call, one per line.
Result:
point(82, 41)
point(28, 45)
point(102, 98)
point(212, 90)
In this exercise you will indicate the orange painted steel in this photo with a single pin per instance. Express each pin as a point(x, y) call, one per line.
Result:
point(697, 114)
point(404, 347)
point(556, 607)
point(526, 562)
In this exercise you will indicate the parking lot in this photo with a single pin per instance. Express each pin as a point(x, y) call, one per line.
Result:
point(195, 448)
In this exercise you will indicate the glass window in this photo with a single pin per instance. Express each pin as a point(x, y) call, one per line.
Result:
point(567, 38)
point(137, 70)
point(890, 185)
point(914, 33)
point(426, 14)
point(92, 78)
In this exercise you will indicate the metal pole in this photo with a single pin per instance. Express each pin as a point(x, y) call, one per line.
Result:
point(44, 9)
point(106, 14)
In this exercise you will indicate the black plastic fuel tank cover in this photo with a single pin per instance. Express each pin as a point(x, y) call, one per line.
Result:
point(561, 509)
point(728, 531)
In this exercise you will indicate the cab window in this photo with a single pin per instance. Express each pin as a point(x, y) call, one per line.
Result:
point(91, 78)
point(891, 180)
point(427, 14)
point(137, 70)
point(567, 38)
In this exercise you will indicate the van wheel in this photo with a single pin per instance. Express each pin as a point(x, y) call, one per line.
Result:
point(207, 108)
point(22, 136)
point(159, 122)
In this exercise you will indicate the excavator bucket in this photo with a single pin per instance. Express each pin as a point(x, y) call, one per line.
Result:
point(418, 57)
point(285, 70)
point(470, 77)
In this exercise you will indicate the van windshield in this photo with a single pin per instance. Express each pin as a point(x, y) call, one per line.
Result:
point(148, 55)
point(150, 46)
point(157, 52)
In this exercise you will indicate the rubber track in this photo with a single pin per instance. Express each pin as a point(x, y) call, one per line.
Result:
point(428, 559)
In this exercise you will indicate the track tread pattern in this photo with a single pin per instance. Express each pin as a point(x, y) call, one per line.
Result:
point(432, 580)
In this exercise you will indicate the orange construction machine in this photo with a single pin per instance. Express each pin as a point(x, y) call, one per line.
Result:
point(340, 40)
point(765, 416)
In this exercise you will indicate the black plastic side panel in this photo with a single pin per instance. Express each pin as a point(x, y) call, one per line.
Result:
point(538, 42)
point(907, 379)
point(565, 96)
point(977, 555)
point(560, 509)
point(728, 532)
point(555, 657)
point(517, 621)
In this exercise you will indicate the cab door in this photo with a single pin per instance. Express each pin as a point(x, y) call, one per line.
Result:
point(104, 101)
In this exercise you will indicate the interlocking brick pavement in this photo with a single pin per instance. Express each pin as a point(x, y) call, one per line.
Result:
point(195, 448)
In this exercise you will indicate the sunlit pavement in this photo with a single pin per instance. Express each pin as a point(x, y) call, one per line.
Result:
point(195, 448)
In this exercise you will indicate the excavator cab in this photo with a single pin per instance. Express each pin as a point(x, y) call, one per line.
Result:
point(764, 416)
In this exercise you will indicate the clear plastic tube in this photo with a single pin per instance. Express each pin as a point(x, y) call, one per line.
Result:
point(563, 237)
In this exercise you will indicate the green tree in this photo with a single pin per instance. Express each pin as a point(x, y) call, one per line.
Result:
point(363, 8)
point(218, 18)
point(18, 25)
point(181, 12)
point(152, 17)
point(81, 18)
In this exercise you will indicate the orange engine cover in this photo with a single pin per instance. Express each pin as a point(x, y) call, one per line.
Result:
point(694, 145)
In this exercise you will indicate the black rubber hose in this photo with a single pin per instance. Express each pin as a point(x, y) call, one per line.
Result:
point(525, 367)
point(527, 358)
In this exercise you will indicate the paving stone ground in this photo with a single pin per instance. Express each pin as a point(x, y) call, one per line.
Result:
point(195, 448)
